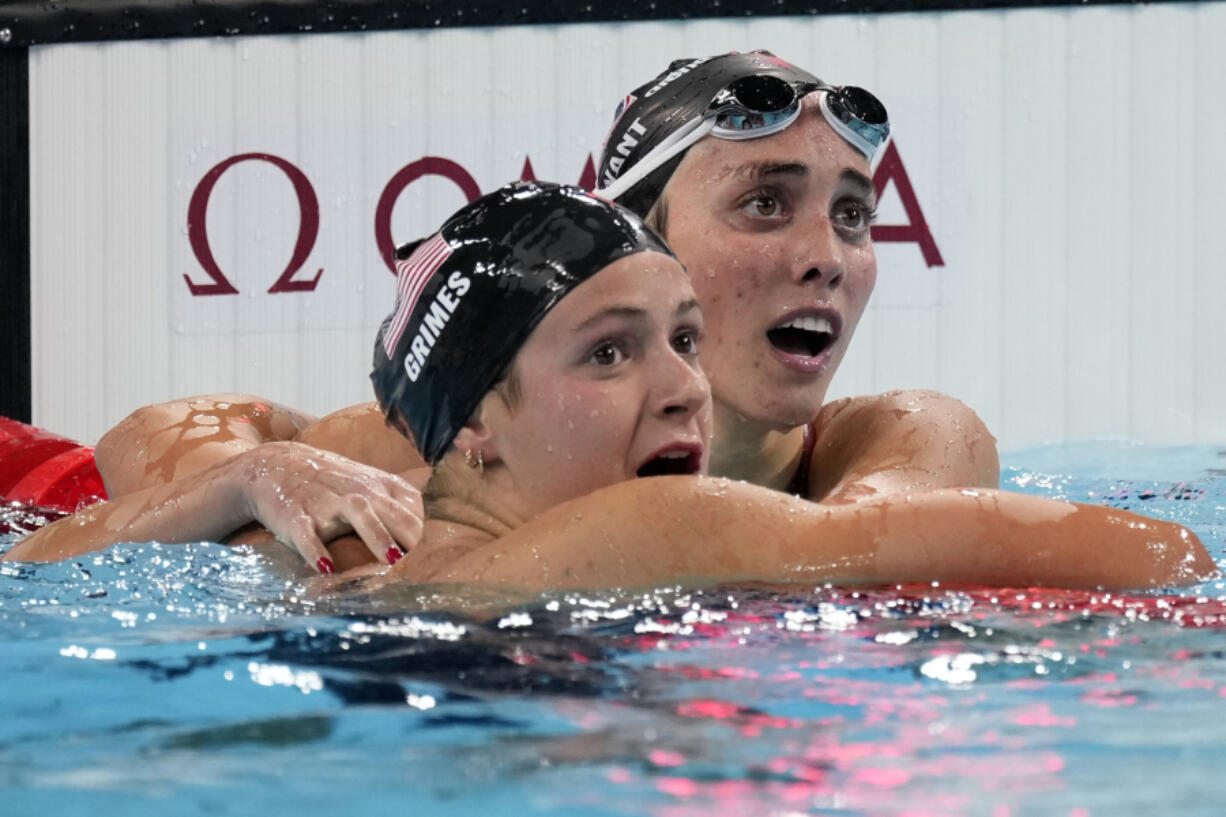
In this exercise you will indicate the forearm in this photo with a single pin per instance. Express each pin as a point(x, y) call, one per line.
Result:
point(299, 493)
point(159, 444)
point(666, 530)
point(202, 506)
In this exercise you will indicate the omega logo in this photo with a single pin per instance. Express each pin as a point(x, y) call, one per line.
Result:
point(889, 170)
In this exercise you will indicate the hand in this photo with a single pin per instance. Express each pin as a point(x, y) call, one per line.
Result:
point(306, 496)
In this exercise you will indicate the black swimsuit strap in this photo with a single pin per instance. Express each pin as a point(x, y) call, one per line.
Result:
point(799, 486)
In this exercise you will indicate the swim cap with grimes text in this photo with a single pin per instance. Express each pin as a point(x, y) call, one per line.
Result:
point(469, 296)
point(730, 96)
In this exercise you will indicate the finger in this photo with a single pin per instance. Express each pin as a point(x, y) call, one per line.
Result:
point(406, 495)
point(367, 525)
point(300, 531)
point(408, 498)
point(404, 523)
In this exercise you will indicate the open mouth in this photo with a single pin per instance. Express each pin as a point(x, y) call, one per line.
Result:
point(675, 461)
point(806, 336)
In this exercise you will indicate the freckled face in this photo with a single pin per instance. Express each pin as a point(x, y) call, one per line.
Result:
point(775, 234)
point(611, 387)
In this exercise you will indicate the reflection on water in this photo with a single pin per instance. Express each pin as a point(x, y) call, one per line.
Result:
point(191, 678)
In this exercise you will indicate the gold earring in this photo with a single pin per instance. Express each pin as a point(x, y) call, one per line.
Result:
point(478, 462)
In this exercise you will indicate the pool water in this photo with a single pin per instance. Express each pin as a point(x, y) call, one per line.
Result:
point(190, 680)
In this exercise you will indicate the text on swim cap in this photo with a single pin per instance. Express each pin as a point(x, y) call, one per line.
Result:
point(441, 309)
point(627, 144)
point(674, 75)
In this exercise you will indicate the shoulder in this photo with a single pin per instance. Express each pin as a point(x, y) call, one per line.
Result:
point(892, 407)
point(360, 433)
point(900, 440)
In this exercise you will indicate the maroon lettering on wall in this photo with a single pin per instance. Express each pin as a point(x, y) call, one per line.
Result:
point(890, 169)
point(308, 229)
point(587, 178)
point(916, 231)
point(428, 166)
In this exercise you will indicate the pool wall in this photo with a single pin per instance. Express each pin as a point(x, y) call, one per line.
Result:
point(214, 213)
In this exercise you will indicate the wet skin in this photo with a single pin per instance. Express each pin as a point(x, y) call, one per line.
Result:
point(772, 229)
point(608, 381)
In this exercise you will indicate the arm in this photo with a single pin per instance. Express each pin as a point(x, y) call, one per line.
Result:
point(299, 493)
point(159, 444)
point(897, 442)
point(670, 529)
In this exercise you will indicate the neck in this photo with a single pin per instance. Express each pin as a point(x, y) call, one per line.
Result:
point(465, 509)
point(747, 450)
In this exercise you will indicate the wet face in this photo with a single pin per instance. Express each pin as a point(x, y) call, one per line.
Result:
point(609, 387)
point(775, 234)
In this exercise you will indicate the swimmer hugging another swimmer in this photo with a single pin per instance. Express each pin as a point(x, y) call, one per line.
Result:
point(581, 334)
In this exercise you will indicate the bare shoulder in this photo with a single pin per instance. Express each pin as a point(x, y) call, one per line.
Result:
point(900, 441)
point(158, 443)
point(360, 433)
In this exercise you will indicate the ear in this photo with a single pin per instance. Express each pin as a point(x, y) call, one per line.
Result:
point(477, 436)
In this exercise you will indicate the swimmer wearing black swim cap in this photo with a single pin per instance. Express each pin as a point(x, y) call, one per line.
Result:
point(470, 295)
point(731, 96)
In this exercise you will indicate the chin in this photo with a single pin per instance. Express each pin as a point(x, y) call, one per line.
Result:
point(787, 408)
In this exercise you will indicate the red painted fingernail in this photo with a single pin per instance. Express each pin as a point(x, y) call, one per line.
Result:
point(393, 554)
point(325, 565)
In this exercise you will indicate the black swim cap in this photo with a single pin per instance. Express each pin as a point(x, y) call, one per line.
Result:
point(657, 109)
point(469, 296)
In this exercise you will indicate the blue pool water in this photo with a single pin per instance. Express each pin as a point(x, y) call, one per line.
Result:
point(189, 680)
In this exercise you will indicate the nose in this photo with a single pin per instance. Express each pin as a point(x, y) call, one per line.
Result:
point(680, 386)
point(819, 259)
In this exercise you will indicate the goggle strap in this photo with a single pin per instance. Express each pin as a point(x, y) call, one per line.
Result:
point(670, 147)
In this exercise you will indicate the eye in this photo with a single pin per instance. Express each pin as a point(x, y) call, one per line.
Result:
point(685, 342)
point(763, 204)
point(606, 353)
point(855, 216)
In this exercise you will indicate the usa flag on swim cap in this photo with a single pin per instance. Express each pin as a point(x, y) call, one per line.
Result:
point(411, 276)
point(622, 107)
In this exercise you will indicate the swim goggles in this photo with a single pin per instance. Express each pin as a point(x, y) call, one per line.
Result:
point(759, 105)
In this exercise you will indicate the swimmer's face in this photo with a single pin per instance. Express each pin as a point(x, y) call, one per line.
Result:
point(775, 234)
point(609, 387)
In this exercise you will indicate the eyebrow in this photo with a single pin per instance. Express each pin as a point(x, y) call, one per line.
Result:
point(632, 313)
point(863, 184)
point(686, 306)
point(765, 170)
